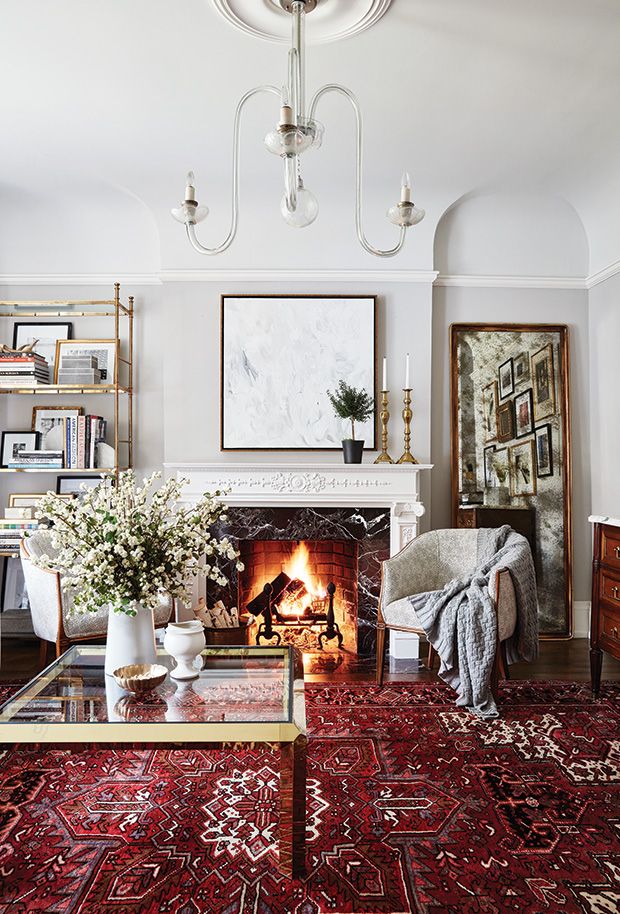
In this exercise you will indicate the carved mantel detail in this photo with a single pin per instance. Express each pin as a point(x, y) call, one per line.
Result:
point(396, 487)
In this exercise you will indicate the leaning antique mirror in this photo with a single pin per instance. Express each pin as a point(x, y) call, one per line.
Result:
point(510, 447)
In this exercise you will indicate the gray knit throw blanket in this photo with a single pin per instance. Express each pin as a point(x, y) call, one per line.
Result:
point(461, 623)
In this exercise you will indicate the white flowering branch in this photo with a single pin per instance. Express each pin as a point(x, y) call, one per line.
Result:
point(124, 544)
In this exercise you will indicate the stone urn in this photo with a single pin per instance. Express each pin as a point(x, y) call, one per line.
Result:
point(184, 641)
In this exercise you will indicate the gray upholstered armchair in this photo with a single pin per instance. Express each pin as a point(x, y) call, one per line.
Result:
point(51, 607)
point(428, 563)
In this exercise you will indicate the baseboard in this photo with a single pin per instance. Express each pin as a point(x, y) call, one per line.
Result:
point(581, 619)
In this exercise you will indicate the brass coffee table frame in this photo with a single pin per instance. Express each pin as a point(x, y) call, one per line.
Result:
point(290, 735)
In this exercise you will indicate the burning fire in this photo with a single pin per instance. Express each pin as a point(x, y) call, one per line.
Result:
point(298, 569)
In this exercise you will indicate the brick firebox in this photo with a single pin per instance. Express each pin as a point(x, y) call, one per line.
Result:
point(328, 561)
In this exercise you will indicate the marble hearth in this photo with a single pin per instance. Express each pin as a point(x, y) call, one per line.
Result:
point(376, 507)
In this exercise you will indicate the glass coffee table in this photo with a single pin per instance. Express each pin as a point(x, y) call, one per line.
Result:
point(242, 695)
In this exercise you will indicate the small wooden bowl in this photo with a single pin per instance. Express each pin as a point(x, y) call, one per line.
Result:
point(140, 678)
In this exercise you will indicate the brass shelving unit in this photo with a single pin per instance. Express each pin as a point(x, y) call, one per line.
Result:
point(123, 368)
point(121, 390)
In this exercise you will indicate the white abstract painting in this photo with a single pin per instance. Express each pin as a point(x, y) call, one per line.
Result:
point(280, 356)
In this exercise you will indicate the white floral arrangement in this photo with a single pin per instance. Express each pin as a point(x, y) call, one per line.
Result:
point(120, 544)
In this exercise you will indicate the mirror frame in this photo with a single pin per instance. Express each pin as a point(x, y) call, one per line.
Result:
point(563, 409)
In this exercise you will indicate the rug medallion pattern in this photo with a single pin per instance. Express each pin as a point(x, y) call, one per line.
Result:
point(413, 806)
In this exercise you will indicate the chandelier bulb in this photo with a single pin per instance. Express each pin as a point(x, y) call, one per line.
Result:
point(405, 188)
point(306, 208)
point(190, 189)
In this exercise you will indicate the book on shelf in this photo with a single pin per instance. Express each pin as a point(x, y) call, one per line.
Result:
point(16, 525)
point(82, 435)
point(23, 381)
point(42, 460)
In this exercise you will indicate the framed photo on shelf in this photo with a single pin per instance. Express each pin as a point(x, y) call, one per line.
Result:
point(522, 469)
point(489, 411)
point(524, 418)
point(543, 381)
point(280, 354)
point(72, 485)
point(46, 333)
point(544, 451)
point(505, 421)
point(14, 442)
point(29, 499)
point(522, 368)
point(506, 376)
point(45, 418)
point(105, 351)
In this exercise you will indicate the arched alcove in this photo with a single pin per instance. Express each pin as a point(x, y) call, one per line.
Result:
point(511, 234)
point(79, 228)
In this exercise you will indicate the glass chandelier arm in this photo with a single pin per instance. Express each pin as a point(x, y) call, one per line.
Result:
point(290, 182)
point(190, 228)
point(334, 87)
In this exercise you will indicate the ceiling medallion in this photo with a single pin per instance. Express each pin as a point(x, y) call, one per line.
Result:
point(331, 20)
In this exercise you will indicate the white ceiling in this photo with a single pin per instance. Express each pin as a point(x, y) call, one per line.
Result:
point(469, 95)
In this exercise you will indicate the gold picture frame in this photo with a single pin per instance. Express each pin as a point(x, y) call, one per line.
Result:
point(52, 409)
point(92, 346)
point(522, 462)
point(543, 383)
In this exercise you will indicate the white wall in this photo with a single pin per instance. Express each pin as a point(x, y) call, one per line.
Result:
point(604, 322)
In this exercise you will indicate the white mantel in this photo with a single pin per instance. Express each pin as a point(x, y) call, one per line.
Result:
point(364, 485)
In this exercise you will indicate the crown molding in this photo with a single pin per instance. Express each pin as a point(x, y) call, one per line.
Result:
point(511, 282)
point(309, 276)
point(79, 279)
point(606, 273)
point(271, 276)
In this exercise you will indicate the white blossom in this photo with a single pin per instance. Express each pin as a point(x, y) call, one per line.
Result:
point(123, 544)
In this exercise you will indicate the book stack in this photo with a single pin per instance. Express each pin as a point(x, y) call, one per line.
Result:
point(82, 435)
point(28, 370)
point(12, 529)
point(78, 370)
point(36, 460)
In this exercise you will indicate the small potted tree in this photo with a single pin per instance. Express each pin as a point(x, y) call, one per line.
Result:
point(356, 406)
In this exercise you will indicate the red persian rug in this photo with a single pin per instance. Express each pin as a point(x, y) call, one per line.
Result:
point(413, 806)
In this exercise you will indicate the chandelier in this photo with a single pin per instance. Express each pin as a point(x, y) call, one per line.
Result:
point(296, 133)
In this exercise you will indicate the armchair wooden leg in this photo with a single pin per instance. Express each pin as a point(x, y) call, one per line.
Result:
point(504, 670)
point(495, 673)
point(432, 655)
point(43, 648)
point(380, 653)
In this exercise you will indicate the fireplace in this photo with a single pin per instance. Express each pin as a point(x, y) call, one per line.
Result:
point(375, 510)
point(299, 573)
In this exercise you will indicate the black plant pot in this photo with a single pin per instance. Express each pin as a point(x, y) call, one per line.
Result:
point(352, 450)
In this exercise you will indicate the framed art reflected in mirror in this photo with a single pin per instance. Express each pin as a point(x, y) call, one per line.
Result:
point(533, 427)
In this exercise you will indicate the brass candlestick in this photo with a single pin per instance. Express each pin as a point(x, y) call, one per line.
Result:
point(407, 456)
point(384, 457)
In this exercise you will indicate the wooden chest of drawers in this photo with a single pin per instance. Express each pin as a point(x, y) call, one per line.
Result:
point(520, 519)
point(605, 619)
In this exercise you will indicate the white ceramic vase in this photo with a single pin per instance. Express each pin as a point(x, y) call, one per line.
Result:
point(184, 641)
point(131, 639)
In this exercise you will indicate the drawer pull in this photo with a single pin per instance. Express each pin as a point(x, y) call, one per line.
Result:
point(614, 632)
point(617, 551)
point(614, 592)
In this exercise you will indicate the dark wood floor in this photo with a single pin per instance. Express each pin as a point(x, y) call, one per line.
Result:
point(567, 660)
